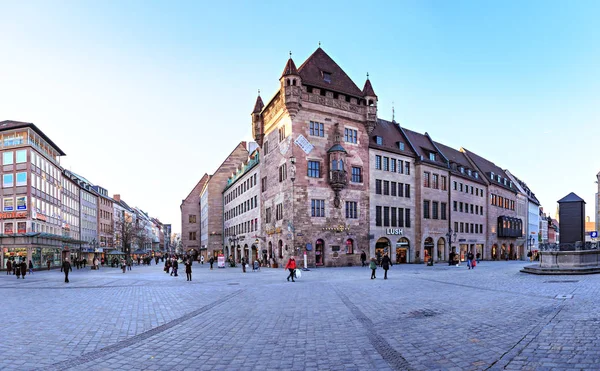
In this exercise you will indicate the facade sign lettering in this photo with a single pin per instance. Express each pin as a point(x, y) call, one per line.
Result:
point(394, 231)
point(304, 144)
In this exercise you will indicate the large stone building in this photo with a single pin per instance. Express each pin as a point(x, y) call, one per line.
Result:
point(504, 228)
point(241, 212)
point(211, 202)
point(532, 220)
point(105, 219)
point(392, 187)
point(190, 218)
point(313, 133)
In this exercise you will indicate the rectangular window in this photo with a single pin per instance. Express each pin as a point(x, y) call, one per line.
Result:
point(455, 227)
point(266, 147)
point(407, 168)
point(317, 129)
point(351, 210)
point(401, 166)
point(317, 208)
point(386, 187)
point(282, 172)
point(386, 216)
point(394, 216)
point(393, 165)
point(477, 209)
point(350, 135)
point(279, 212)
point(192, 218)
point(426, 209)
point(435, 181)
point(378, 216)
point(472, 231)
point(21, 156)
point(426, 176)
point(407, 190)
point(400, 217)
point(7, 158)
point(314, 169)
point(377, 162)
point(471, 208)
point(263, 184)
point(443, 211)
point(8, 228)
point(455, 206)
point(386, 164)
point(393, 188)
point(461, 187)
point(460, 206)
point(400, 189)
point(9, 204)
point(268, 215)
point(407, 218)
point(444, 184)
point(462, 227)
point(434, 210)
point(7, 180)
point(356, 174)
point(432, 156)
point(282, 133)
point(377, 186)
point(22, 179)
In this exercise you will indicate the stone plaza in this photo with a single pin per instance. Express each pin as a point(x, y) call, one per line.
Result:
point(421, 318)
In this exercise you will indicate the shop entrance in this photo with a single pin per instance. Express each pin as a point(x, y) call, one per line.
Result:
point(319, 252)
point(402, 247)
point(382, 247)
point(428, 247)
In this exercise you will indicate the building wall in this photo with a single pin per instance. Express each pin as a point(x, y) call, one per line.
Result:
point(105, 222)
point(472, 196)
point(497, 246)
point(533, 225)
point(242, 218)
point(89, 218)
point(190, 217)
point(70, 208)
point(394, 233)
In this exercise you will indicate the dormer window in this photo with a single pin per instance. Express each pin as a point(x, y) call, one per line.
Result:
point(469, 172)
point(492, 176)
point(327, 77)
point(432, 156)
point(510, 184)
point(476, 175)
point(504, 181)
point(379, 140)
point(462, 170)
point(401, 146)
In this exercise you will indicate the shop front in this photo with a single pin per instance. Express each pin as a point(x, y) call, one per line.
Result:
point(39, 248)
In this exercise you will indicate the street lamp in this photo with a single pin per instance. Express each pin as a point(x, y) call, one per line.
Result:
point(293, 178)
point(233, 239)
point(451, 237)
point(531, 244)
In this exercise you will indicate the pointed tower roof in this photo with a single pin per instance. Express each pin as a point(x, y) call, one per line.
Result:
point(259, 104)
point(321, 71)
point(290, 68)
point(368, 89)
point(571, 197)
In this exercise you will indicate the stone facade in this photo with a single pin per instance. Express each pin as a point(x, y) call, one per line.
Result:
point(105, 218)
point(190, 218)
point(241, 213)
point(468, 203)
point(211, 202)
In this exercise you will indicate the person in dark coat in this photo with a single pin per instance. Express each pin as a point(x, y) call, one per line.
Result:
point(66, 267)
point(175, 267)
point(30, 267)
point(17, 269)
point(23, 268)
point(363, 259)
point(8, 267)
point(188, 269)
point(211, 261)
point(386, 263)
point(48, 263)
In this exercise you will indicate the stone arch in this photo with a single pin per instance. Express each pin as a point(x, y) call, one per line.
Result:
point(441, 248)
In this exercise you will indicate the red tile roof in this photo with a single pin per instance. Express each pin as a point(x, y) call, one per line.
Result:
point(488, 167)
point(311, 72)
point(290, 68)
point(423, 146)
point(259, 105)
point(391, 134)
point(368, 89)
point(459, 158)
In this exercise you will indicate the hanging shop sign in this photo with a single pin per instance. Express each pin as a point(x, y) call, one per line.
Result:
point(13, 215)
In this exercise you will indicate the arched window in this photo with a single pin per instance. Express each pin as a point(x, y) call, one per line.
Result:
point(294, 82)
point(280, 249)
point(349, 246)
point(288, 82)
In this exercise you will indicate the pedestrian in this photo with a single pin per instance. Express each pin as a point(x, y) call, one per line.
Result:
point(48, 263)
point(373, 266)
point(478, 256)
point(17, 269)
point(386, 263)
point(188, 269)
point(175, 267)
point(66, 267)
point(244, 265)
point(167, 266)
point(129, 263)
point(23, 269)
point(363, 259)
point(30, 267)
point(451, 258)
point(470, 260)
point(8, 267)
point(291, 266)
point(211, 262)
point(123, 264)
point(84, 262)
point(202, 259)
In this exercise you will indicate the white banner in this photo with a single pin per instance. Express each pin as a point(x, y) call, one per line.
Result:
point(303, 143)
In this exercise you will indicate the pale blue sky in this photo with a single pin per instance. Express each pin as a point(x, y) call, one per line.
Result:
point(145, 97)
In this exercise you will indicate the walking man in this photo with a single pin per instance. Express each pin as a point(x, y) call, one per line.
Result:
point(202, 259)
point(291, 266)
point(363, 258)
point(8, 267)
point(211, 262)
point(48, 262)
point(470, 260)
point(66, 267)
point(188, 269)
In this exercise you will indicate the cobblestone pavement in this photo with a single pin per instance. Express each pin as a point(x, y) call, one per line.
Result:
point(421, 318)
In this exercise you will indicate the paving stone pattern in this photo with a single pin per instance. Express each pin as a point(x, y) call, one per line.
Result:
point(421, 318)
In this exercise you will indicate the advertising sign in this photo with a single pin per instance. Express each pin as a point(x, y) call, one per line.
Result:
point(22, 203)
point(221, 261)
point(8, 204)
point(304, 144)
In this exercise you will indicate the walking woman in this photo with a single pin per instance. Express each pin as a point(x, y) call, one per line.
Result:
point(291, 266)
point(386, 263)
point(30, 267)
point(188, 269)
point(373, 266)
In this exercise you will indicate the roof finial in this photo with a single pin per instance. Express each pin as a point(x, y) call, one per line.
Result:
point(259, 92)
point(367, 75)
point(290, 54)
point(319, 44)
point(393, 112)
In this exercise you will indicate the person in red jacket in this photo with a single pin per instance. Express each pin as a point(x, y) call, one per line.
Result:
point(291, 266)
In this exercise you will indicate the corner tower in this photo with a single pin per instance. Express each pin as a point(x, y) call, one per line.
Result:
point(291, 87)
point(257, 122)
point(371, 103)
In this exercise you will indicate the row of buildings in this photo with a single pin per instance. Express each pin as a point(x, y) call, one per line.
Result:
point(326, 179)
point(50, 213)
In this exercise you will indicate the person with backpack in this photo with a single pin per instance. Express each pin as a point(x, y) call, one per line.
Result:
point(373, 266)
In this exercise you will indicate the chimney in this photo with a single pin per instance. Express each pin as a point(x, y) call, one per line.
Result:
point(117, 198)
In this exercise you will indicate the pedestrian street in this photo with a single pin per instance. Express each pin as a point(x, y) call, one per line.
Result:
point(421, 318)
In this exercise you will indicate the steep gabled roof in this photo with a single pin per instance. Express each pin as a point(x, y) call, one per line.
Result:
point(258, 106)
point(197, 187)
point(459, 158)
point(423, 145)
point(290, 68)
point(311, 72)
point(571, 197)
point(487, 167)
point(391, 134)
point(368, 89)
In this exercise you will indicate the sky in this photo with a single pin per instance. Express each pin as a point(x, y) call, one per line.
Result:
point(145, 97)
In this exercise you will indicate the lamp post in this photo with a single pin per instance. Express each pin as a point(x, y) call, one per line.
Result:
point(531, 244)
point(293, 179)
point(233, 239)
point(451, 237)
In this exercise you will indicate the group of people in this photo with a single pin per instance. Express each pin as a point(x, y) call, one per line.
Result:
point(172, 265)
point(19, 268)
